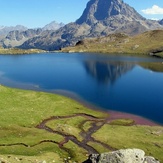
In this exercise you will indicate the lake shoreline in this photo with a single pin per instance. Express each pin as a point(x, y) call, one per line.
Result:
point(138, 120)
point(106, 82)
point(113, 115)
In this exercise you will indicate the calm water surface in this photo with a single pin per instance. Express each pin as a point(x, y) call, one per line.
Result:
point(109, 82)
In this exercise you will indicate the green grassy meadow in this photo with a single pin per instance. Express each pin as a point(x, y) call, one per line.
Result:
point(38, 126)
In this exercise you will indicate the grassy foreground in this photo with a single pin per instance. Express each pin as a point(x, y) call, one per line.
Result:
point(37, 126)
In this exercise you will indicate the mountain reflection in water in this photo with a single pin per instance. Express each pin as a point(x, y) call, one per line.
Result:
point(107, 72)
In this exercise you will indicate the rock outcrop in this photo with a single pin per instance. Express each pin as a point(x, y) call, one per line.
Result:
point(122, 156)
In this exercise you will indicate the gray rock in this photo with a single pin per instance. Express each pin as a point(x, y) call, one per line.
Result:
point(122, 156)
point(128, 156)
point(149, 159)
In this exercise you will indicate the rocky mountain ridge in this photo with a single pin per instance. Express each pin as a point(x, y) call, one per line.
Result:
point(100, 18)
point(4, 30)
point(16, 36)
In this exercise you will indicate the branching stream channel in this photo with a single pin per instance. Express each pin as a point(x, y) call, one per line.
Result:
point(86, 135)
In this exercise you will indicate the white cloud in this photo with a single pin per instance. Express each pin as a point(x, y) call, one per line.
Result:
point(153, 11)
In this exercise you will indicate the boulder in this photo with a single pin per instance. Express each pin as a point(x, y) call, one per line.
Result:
point(122, 156)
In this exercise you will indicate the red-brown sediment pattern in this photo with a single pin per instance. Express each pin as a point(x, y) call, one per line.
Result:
point(112, 114)
point(138, 119)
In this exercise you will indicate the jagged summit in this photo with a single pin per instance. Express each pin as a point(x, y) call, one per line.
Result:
point(102, 10)
point(110, 16)
point(53, 26)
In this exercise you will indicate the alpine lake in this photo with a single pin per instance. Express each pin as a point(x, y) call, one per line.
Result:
point(108, 82)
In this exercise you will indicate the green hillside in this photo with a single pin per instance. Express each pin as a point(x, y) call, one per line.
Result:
point(149, 43)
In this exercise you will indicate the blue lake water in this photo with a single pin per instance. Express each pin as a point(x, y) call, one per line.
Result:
point(117, 83)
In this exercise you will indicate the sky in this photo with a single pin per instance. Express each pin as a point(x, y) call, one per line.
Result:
point(38, 13)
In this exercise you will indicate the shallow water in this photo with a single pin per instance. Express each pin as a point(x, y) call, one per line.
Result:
point(110, 82)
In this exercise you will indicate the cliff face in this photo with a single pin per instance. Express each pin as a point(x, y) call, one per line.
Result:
point(103, 10)
point(106, 17)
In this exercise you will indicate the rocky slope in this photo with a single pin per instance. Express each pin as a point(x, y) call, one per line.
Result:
point(150, 42)
point(16, 36)
point(100, 18)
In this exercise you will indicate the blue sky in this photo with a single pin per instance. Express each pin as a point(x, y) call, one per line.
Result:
point(37, 13)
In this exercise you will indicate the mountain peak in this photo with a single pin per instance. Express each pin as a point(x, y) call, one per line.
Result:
point(53, 26)
point(101, 10)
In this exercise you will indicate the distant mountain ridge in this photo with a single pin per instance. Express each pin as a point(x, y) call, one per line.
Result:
point(16, 36)
point(53, 26)
point(100, 18)
point(4, 30)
